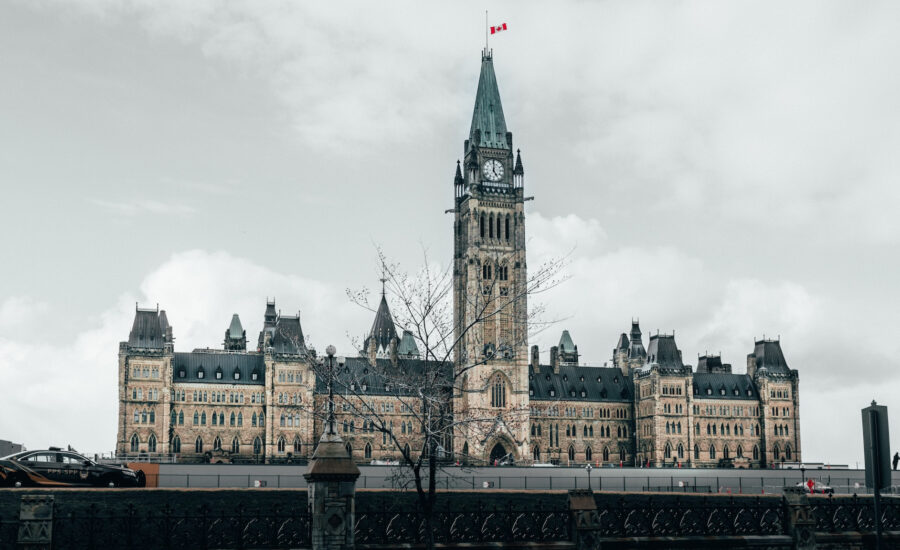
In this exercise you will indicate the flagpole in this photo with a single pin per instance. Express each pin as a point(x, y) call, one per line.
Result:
point(485, 32)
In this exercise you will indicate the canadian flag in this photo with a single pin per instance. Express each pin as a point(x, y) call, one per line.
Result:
point(495, 30)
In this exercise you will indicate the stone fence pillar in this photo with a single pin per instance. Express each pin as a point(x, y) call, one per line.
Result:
point(799, 521)
point(35, 522)
point(332, 478)
point(585, 520)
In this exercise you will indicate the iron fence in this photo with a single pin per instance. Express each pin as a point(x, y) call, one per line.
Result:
point(131, 527)
point(837, 514)
point(481, 524)
point(693, 516)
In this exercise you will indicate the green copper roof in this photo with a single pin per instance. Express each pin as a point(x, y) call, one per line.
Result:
point(407, 346)
point(235, 331)
point(565, 342)
point(488, 113)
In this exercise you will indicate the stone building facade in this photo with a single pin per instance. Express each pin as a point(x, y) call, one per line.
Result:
point(644, 406)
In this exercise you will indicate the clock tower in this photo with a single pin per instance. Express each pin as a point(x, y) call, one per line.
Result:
point(490, 283)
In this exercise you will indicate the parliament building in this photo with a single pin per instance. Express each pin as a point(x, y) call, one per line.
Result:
point(254, 401)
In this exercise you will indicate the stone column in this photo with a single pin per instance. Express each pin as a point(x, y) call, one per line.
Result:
point(800, 523)
point(585, 521)
point(332, 478)
point(35, 522)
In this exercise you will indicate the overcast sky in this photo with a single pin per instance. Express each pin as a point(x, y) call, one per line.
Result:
point(726, 170)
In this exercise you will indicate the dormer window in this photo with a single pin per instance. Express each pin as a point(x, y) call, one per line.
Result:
point(616, 380)
point(181, 373)
point(708, 391)
point(237, 375)
point(254, 375)
point(582, 378)
point(552, 393)
point(364, 387)
point(736, 392)
point(583, 393)
point(200, 373)
point(531, 392)
point(572, 393)
point(218, 375)
point(722, 391)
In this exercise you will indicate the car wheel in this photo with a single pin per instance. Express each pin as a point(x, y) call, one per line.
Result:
point(141, 478)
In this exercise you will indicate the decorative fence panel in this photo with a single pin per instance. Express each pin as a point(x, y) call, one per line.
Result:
point(481, 523)
point(133, 527)
point(671, 516)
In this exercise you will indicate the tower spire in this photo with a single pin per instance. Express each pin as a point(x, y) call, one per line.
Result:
point(488, 123)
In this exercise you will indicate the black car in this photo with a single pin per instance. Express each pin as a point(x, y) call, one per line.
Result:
point(58, 468)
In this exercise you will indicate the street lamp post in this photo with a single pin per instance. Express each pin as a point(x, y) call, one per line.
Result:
point(589, 468)
point(803, 476)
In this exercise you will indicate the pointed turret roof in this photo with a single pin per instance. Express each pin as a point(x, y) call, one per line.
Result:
point(383, 330)
point(566, 345)
point(458, 179)
point(407, 346)
point(623, 343)
point(637, 346)
point(235, 330)
point(488, 114)
point(518, 170)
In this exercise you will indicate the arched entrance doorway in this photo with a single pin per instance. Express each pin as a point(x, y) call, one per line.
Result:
point(498, 453)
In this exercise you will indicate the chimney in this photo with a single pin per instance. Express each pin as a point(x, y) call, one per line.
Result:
point(554, 359)
point(535, 357)
point(372, 351)
point(393, 350)
point(751, 365)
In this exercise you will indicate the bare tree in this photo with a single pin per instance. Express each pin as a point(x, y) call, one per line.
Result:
point(411, 400)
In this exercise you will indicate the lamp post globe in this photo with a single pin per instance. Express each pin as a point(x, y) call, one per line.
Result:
point(330, 351)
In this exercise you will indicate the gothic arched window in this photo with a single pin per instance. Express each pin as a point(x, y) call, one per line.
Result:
point(588, 454)
point(233, 419)
point(217, 443)
point(696, 452)
point(135, 443)
point(297, 445)
point(203, 419)
point(368, 451)
point(668, 451)
point(507, 227)
point(281, 444)
point(240, 419)
point(491, 226)
point(176, 444)
point(235, 446)
point(571, 453)
point(605, 454)
point(253, 420)
point(755, 452)
point(181, 418)
point(257, 445)
point(198, 445)
point(498, 226)
point(151, 444)
point(482, 225)
point(712, 452)
point(680, 450)
point(498, 392)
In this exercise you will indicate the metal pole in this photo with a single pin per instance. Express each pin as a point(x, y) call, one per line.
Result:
point(876, 474)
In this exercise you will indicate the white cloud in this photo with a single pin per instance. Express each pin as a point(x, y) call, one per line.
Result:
point(69, 388)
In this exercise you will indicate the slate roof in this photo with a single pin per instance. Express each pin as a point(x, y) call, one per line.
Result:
point(664, 352)
point(637, 345)
point(357, 372)
point(147, 330)
point(383, 330)
point(212, 360)
point(599, 384)
point(518, 170)
point(768, 354)
point(288, 336)
point(488, 113)
point(623, 343)
point(716, 382)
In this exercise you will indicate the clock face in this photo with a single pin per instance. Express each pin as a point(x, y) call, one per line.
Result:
point(493, 170)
